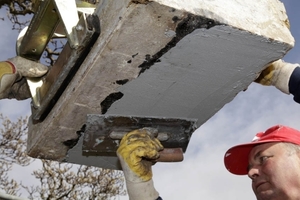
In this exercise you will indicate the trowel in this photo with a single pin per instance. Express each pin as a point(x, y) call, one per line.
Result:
point(103, 133)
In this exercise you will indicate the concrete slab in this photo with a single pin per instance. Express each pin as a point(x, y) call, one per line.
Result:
point(167, 58)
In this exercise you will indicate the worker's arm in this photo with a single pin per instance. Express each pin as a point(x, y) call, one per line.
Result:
point(137, 153)
point(12, 73)
point(294, 84)
point(284, 76)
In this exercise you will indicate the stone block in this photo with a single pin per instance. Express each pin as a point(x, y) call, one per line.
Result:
point(168, 58)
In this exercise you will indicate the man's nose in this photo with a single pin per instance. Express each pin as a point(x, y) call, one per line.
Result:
point(253, 172)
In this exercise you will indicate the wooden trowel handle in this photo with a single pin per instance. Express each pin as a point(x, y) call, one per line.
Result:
point(170, 155)
point(166, 155)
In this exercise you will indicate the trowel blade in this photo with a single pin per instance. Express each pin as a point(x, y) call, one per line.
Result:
point(103, 132)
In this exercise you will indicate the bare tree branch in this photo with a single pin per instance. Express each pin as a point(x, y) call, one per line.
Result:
point(16, 10)
point(56, 180)
point(13, 141)
point(10, 186)
point(53, 50)
point(67, 181)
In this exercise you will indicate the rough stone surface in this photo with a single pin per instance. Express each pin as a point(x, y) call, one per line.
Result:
point(163, 58)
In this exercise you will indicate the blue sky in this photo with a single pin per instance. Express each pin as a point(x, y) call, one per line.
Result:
point(202, 173)
point(292, 7)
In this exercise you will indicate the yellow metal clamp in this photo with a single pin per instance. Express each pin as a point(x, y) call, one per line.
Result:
point(53, 18)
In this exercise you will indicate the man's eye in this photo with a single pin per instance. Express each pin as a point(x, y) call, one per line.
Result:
point(263, 159)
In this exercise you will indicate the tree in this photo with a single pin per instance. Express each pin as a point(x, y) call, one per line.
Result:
point(16, 10)
point(12, 148)
point(55, 180)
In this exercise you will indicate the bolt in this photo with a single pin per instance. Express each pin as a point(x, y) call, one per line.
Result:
point(79, 28)
point(163, 136)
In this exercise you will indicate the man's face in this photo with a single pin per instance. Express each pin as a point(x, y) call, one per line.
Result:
point(275, 172)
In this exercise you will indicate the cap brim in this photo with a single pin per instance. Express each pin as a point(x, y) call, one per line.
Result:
point(236, 158)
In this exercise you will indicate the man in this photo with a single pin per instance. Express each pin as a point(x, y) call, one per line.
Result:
point(137, 153)
point(272, 161)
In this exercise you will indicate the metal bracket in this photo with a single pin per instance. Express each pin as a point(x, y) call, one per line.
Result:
point(57, 18)
point(32, 44)
point(66, 66)
point(67, 12)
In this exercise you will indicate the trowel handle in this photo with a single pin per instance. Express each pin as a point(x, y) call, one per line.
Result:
point(170, 155)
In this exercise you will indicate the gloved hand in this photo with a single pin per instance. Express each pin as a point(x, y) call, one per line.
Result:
point(137, 151)
point(278, 74)
point(12, 73)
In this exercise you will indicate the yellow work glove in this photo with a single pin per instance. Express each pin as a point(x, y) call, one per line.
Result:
point(278, 74)
point(137, 153)
point(12, 73)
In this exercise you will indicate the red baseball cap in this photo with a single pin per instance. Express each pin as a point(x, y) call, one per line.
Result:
point(236, 158)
